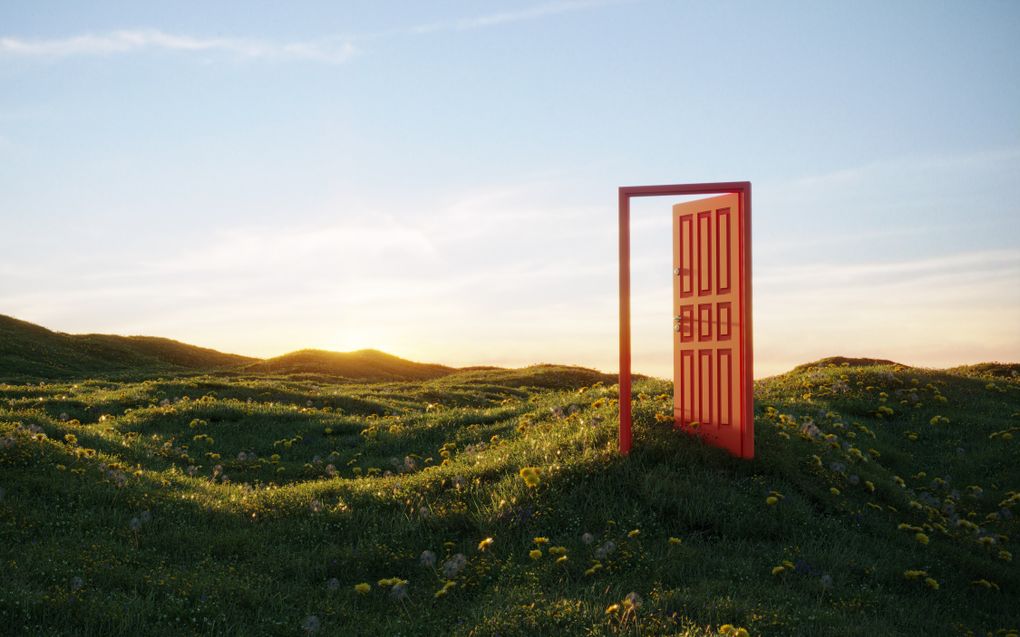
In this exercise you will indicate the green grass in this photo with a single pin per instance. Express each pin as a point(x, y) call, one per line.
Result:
point(127, 508)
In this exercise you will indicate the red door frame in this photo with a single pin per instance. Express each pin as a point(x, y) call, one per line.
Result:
point(742, 188)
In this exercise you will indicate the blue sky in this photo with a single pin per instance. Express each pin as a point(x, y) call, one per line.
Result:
point(438, 179)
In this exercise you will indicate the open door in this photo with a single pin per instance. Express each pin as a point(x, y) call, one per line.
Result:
point(712, 375)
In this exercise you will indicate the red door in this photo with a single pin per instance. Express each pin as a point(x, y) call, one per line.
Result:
point(711, 302)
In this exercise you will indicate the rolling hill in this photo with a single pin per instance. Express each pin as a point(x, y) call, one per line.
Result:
point(366, 364)
point(31, 351)
point(883, 500)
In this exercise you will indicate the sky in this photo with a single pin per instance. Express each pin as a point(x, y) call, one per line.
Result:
point(438, 179)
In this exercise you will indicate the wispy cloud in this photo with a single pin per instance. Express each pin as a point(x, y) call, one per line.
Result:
point(332, 50)
point(128, 41)
point(504, 17)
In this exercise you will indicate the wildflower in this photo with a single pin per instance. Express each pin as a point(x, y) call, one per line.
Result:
point(605, 550)
point(541, 540)
point(535, 554)
point(427, 559)
point(315, 505)
point(557, 550)
point(741, 632)
point(485, 544)
point(595, 568)
point(921, 538)
point(776, 570)
point(675, 540)
point(985, 584)
point(561, 559)
point(913, 574)
point(833, 490)
point(445, 589)
point(454, 565)
point(399, 591)
point(634, 533)
point(727, 629)
point(1005, 556)
point(362, 588)
point(771, 500)
point(587, 538)
point(932, 584)
point(632, 601)
point(612, 608)
point(869, 485)
point(531, 476)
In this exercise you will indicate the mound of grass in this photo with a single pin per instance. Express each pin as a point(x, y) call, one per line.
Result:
point(366, 364)
point(30, 351)
point(493, 502)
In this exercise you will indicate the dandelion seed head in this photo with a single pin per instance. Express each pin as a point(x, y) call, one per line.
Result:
point(427, 559)
point(311, 624)
point(399, 591)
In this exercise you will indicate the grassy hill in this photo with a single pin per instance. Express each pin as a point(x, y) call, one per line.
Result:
point(366, 364)
point(31, 351)
point(883, 501)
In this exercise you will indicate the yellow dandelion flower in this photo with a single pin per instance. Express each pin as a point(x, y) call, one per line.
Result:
point(932, 583)
point(675, 540)
point(833, 490)
point(634, 533)
point(557, 550)
point(541, 540)
point(612, 608)
point(727, 629)
point(362, 588)
point(561, 559)
point(535, 554)
point(771, 500)
point(921, 538)
point(869, 485)
point(1005, 555)
point(531, 476)
point(741, 632)
point(485, 544)
point(776, 570)
point(445, 589)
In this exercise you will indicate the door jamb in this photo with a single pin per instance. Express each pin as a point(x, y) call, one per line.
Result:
point(742, 188)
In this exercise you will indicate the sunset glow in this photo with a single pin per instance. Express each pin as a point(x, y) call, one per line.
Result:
point(441, 184)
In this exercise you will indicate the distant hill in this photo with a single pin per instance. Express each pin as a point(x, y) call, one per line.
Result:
point(32, 351)
point(366, 364)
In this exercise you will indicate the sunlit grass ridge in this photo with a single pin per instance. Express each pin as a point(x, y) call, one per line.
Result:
point(494, 502)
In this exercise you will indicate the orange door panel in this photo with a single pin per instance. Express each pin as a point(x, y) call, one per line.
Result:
point(711, 369)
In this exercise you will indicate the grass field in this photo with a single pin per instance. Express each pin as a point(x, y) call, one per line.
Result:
point(492, 502)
